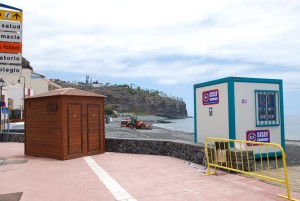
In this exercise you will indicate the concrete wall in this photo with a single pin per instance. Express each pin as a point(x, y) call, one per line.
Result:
point(183, 150)
point(40, 85)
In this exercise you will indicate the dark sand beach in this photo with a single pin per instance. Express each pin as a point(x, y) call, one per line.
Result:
point(114, 130)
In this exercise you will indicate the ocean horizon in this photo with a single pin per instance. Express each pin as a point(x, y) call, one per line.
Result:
point(292, 126)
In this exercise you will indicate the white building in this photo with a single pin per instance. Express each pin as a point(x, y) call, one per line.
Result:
point(240, 108)
point(17, 87)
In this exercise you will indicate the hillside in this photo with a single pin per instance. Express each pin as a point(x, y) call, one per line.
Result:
point(125, 99)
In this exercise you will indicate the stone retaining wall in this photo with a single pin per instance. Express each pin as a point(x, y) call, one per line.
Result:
point(186, 151)
point(183, 150)
point(12, 137)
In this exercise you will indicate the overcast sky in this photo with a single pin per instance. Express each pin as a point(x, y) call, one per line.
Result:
point(165, 45)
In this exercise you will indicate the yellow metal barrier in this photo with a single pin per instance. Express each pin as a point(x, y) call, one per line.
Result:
point(250, 158)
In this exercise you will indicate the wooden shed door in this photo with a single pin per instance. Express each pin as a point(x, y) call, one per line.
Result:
point(74, 129)
point(93, 127)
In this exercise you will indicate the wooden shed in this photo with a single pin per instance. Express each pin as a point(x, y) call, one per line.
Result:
point(64, 123)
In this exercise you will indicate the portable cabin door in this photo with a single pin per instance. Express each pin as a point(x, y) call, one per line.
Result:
point(93, 127)
point(75, 138)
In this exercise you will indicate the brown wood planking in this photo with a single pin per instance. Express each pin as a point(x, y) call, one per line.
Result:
point(93, 126)
point(48, 131)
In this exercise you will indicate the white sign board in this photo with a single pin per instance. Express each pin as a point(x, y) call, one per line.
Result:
point(7, 58)
point(10, 69)
point(11, 37)
point(10, 26)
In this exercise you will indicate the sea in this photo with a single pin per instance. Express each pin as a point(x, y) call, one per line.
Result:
point(292, 126)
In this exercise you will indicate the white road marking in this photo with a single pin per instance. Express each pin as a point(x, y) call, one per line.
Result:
point(112, 185)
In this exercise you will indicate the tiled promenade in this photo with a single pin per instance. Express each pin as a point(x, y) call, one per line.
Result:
point(115, 176)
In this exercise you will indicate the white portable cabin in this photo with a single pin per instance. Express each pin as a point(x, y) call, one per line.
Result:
point(240, 108)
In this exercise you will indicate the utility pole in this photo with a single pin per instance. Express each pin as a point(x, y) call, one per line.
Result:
point(1, 85)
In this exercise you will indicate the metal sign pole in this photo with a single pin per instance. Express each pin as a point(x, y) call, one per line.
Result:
point(0, 120)
point(5, 120)
point(8, 122)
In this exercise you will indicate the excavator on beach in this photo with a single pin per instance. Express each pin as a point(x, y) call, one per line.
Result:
point(134, 123)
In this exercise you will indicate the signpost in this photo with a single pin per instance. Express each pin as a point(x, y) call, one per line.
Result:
point(10, 69)
point(11, 58)
point(2, 104)
point(4, 110)
point(10, 47)
point(6, 119)
point(10, 15)
point(11, 37)
point(10, 40)
point(10, 104)
point(10, 26)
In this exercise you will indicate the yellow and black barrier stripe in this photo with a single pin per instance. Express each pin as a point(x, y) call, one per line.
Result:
point(250, 158)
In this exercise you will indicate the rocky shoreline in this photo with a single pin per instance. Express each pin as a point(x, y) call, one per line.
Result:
point(114, 130)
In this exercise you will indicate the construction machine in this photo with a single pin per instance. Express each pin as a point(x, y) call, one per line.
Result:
point(134, 123)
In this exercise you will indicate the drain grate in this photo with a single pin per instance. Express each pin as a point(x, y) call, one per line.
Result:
point(2, 160)
point(10, 162)
point(11, 196)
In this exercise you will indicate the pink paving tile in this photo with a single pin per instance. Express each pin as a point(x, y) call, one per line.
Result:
point(145, 177)
point(47, 179)
point(148, 177)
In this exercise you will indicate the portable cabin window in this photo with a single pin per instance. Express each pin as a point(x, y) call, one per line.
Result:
point(267, 108)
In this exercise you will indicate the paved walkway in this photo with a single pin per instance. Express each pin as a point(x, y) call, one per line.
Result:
point(115, 176)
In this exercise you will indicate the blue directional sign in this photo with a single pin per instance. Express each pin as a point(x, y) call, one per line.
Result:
point(4, 110)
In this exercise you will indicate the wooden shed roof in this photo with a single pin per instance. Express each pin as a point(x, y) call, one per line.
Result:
point(67, 92)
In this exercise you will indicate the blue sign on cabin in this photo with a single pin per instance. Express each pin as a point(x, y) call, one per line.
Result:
point(210, 97)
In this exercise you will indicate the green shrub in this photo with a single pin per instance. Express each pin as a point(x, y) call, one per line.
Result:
point(108, 110)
